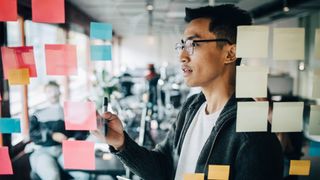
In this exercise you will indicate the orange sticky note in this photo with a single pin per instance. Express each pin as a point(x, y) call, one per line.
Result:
point(80, 115)
point(61, 59)
point(19, 76)
point(218, 172)
point(18, 58)
point(48, 11)
point(300, 167)
point(194, 176)
point(8, 10)
point(78, 155)
point(5, 163)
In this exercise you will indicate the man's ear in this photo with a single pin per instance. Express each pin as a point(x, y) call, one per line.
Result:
point(231, 54)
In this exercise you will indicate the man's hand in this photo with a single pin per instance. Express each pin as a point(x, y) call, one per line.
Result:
point(115, 135)
point(58, 137)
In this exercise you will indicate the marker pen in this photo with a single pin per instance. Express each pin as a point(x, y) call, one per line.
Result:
point(105, 109)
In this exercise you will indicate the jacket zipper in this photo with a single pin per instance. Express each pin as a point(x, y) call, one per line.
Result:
point(214, 140)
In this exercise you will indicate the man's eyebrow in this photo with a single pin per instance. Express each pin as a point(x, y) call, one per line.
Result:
point(192, 37)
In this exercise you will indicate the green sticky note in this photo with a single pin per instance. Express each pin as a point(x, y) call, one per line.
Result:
point(101, 52)
point(101, 31)
point(10, 125)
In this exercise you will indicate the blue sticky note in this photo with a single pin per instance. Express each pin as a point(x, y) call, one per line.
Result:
point(101, 31)
point(314, 148)
point(10, 125)
point(100, 52)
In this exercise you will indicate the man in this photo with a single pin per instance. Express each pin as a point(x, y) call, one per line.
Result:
point(47, 131)
point(205, 131)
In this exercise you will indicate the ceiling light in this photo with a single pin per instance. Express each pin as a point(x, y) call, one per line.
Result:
point(285, 6)
point(301, 66)
point(286, 9)
point(149, 7)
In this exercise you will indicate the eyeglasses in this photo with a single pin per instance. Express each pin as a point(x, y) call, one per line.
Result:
point(189, 44)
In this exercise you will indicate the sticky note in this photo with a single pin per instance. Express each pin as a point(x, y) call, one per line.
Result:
point(78, 155)
point(251, 81)
point(300, 167)
point(5, 163)
point(17, 58)
point(248, 34)
point(194, 176)
point(19, 76)
point(317, 44)
point(287, 117)
point(316, 87)
point(48, 11)
point(61, 59)
point(101, 31)
point(80, 115)
point(314, 148)
point(314, 120)
point(218, 172)
point(10, 125)
point(8, 10)
point(247, 121)
point(100, 52)
point(288, 43)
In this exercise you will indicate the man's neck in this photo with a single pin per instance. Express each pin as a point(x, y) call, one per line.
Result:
point(217, 96)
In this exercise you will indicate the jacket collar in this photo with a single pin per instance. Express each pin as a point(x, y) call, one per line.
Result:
point(200, 98)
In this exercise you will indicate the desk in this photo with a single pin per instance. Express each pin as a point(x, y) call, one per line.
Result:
point(111, 167)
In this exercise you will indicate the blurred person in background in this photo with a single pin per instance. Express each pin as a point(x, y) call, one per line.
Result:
point(152, 78)
point(47, 131)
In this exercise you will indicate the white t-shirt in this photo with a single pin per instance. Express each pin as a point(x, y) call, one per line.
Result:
point(196, 136)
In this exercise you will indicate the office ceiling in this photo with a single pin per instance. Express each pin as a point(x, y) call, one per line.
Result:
point(130, 17)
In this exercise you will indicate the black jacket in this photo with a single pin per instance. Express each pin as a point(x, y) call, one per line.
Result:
point(251, 155)
point(45, 122)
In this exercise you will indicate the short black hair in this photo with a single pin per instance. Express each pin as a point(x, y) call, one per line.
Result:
point(52, 83)
point(224, 21)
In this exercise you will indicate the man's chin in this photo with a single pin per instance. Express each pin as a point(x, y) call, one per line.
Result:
point(190, 84)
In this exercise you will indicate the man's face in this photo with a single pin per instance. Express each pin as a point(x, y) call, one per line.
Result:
point(206, 64)
point(53, 94)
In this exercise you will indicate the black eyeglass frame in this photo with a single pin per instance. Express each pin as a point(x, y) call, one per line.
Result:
point(211, 40)
point(182, 44)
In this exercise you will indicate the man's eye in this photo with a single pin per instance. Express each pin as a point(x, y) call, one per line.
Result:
point(195, 44)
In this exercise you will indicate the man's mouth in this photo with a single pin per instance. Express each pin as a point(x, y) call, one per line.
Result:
point(186, 69)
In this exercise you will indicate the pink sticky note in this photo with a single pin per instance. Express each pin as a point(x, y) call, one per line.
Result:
point(5, 163)
point(61, 59)
point(18, 58)
point(80, 115)
point(78, 155)
point(48, 11)
point(8, 10)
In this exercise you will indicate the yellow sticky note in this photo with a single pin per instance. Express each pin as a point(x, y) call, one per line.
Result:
point(19, 76)
point(314, 121)
point(317, 44)
point(194, 176)
point(288, 43)
point(218, 172)
point(251, 122)
point(300, 167)
point(251, 81)
point(287, 117)
point(248, 34)
point(316, 86)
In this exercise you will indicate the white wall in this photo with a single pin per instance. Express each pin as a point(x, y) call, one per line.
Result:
point(138, 51)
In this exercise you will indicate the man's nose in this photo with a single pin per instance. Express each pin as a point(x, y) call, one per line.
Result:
point(184, 56)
